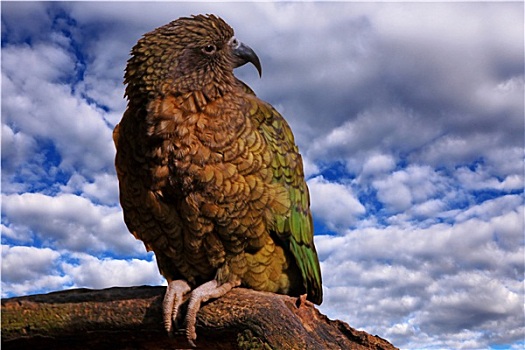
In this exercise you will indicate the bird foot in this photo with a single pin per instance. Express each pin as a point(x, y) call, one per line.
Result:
point(203, 293)
point(172, 300)
point(175, 296)
point(301, 300)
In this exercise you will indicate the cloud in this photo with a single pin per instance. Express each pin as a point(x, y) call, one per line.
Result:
point(28, 269)
point(376, 131)
point(24, 21)
point(69, 222)
point(14, 257)
point(465, 301)
point(103, 189)
point(17, 148)
point(378, 164)
point(402, 189)
point(39, 100)
point(410, 280)
point(434, 101)
point(409, 117)
point(481, 179)
point(489, 208)
point(91, 272)
point(334, 203)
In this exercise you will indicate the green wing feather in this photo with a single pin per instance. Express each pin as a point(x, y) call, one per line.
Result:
point(295, 228)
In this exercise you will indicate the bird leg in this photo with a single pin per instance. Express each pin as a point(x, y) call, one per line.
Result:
point(172, 301)
point(201, 294)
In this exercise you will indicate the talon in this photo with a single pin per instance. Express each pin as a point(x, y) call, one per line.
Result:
point(203, 293)
point(172, 301)
point(192, 343)
point(301, 300)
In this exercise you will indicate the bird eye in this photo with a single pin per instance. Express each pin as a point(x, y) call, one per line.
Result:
point(234, 42)
point(209, 49)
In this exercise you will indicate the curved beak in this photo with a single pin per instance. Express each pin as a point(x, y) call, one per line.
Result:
point(244, 54)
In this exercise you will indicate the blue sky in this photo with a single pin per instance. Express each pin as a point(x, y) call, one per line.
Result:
point(409, 116)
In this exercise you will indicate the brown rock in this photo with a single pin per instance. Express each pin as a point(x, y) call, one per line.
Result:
point(131, 318)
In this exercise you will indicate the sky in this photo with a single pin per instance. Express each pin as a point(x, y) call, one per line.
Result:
point(409, 117)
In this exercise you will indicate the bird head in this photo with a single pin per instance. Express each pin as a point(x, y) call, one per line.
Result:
point(195, 53)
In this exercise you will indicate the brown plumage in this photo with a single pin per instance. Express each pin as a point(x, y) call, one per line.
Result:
point(210, 177)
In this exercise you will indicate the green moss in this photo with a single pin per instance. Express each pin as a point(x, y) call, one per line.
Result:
point(248, 341)
point(18, 321)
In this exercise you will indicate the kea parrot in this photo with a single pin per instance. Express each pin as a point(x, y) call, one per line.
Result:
point(210, 177)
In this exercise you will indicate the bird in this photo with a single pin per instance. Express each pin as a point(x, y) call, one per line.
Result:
point(210, 177)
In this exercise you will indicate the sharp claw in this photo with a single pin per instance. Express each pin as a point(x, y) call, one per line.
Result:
point(172, 301)
point(175, 295)
point(204, 292)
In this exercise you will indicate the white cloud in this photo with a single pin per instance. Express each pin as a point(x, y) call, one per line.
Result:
point(39, 284)
point(104, 188)
point(394, 194)
point(92, 272)
point(491, 208)
point(16, 267)
point(404, 112)
point(373, 133)
point(25, 20)
point(378, 164)
point(39, 101)
point(29, 269)
point(334, 203)
point(414, 185)
point(16, 147)
point(425, 88)
point(506, 161)
point(446, 279)
point(481, 179)
point(431, 208)
point(69, 222)
point(310, 168)
point(468, 301)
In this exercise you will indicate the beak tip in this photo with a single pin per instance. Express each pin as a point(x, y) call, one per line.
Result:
point(245, 54)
